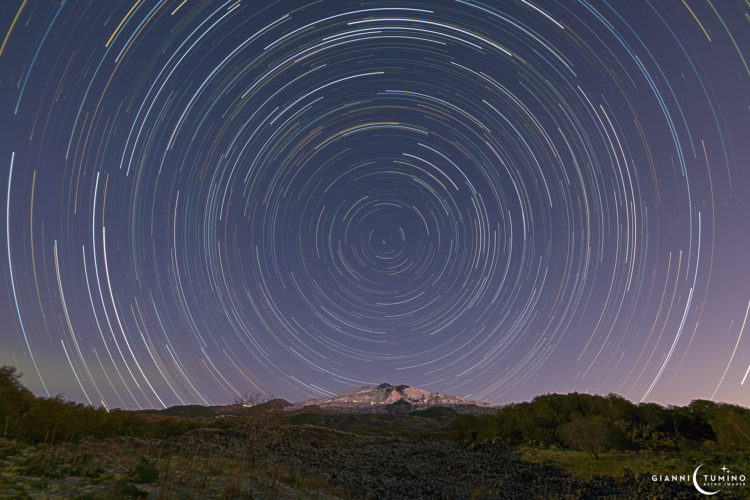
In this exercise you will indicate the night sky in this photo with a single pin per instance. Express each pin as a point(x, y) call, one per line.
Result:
point(492, 199)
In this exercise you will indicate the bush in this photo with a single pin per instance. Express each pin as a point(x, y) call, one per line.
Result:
point(144, 471)
point(307, 418)
point(591, 434)
point(128, 489)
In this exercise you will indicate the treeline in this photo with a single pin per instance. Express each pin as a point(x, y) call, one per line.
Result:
point(595, 424)
point(26, 417)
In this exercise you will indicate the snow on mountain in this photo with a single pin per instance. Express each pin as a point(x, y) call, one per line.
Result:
point(389, 398)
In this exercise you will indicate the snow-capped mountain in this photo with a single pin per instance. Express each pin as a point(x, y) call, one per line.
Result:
point(387, 398)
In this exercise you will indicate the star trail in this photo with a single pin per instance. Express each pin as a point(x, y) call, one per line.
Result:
point(493, 199)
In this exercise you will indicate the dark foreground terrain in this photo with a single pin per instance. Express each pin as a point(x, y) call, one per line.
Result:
point(297, 461)
point(555, 447)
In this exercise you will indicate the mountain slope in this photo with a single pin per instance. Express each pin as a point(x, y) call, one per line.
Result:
point(387, 398)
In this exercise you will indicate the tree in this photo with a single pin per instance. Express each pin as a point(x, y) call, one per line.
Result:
point(731, 425)
point(15, 400)
point(465, 427)
point(255, 418)
point(593, 434)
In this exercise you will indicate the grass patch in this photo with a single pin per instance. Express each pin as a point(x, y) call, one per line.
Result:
point(10, 448)
point(616, 464)
point(58, 463)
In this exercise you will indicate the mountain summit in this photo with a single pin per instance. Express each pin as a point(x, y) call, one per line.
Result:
point(387, 398)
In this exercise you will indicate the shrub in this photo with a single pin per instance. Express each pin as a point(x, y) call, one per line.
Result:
point(591, 434)
point(144, 471)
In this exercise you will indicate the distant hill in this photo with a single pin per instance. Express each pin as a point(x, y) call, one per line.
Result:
point(189, 411)
point(387, 398)
point(209, 412)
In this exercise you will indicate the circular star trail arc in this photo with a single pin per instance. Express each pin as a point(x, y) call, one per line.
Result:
point(492, 199)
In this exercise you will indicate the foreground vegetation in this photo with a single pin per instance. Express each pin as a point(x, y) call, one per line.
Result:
point(54, 420)
point(633, 463)
point(594, 424)
point(556, 446)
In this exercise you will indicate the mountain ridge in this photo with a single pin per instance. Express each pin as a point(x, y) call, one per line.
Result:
point(389, 398)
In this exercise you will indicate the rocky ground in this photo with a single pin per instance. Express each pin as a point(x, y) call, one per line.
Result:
point(388, 466)
point(297, 461)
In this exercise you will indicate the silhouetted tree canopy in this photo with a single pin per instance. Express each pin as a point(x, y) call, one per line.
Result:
point(26, 417)
point(612, 422)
